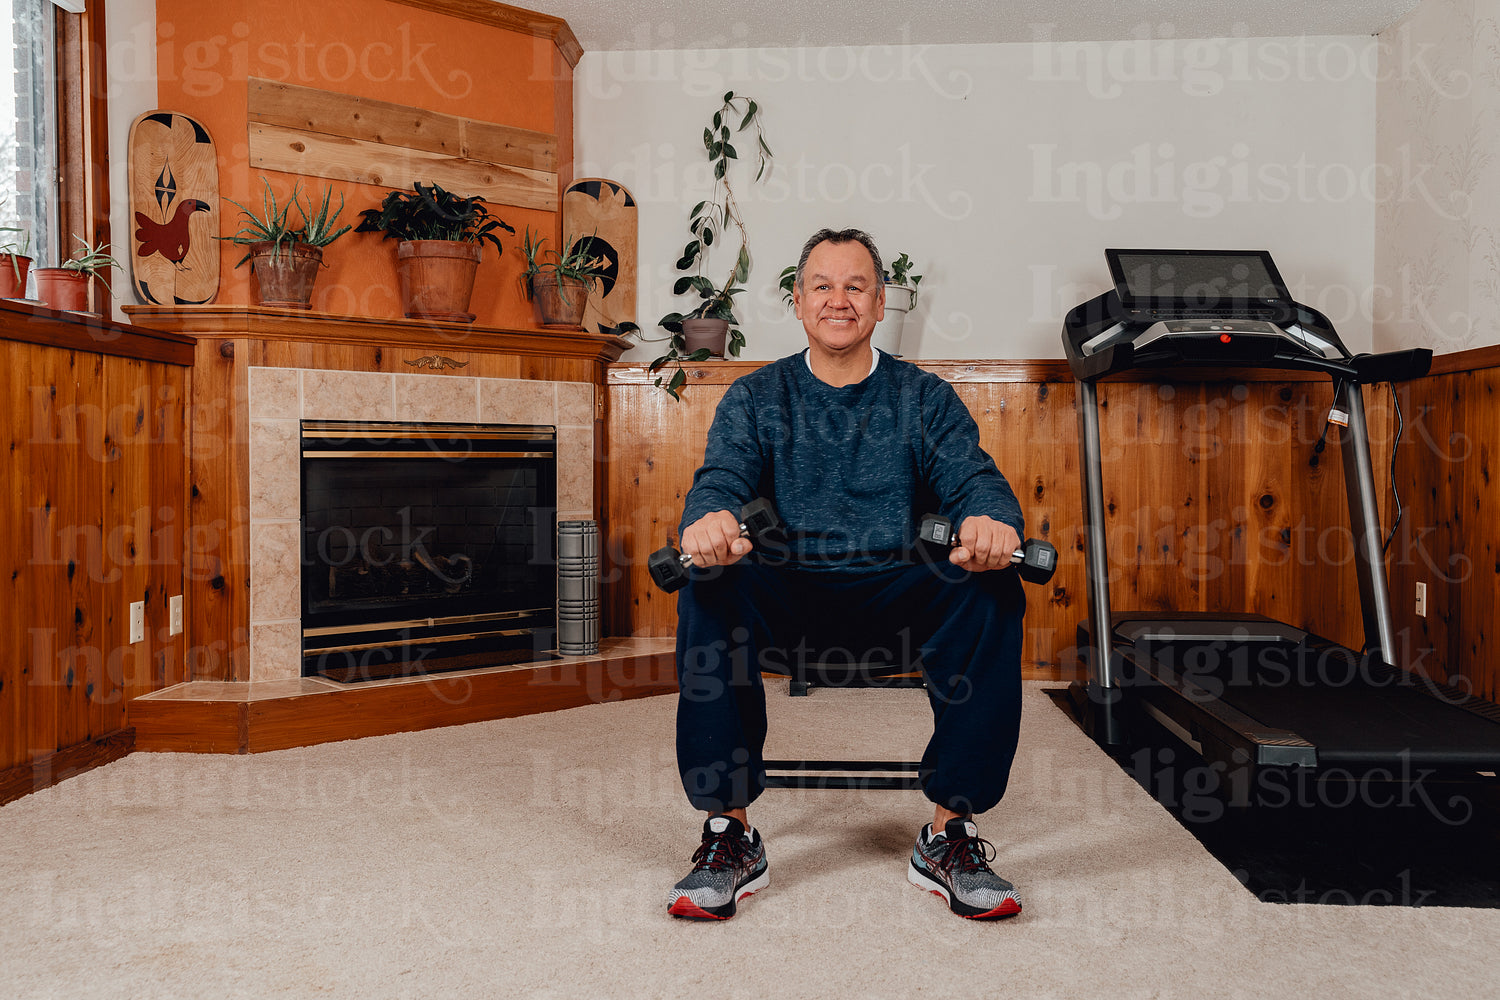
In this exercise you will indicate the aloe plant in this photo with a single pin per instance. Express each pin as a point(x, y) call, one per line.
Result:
point(576, 262)
point(94, 261)
point(272, 225)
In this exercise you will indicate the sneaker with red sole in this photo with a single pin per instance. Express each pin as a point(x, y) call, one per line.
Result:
point(954, 864)
point(728, 866)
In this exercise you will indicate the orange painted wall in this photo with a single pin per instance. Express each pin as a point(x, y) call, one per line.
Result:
point(206, 52)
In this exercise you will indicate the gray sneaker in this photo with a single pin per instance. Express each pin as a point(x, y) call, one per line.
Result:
point(955, 865)
point(727, 867)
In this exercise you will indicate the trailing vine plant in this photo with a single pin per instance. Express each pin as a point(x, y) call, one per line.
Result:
point(708, 224)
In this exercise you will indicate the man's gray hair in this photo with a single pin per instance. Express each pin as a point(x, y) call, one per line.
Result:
point(839, 236)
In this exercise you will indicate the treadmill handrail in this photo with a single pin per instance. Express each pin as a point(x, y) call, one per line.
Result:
point(1086, 322)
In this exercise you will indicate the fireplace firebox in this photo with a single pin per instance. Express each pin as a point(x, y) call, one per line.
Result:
point(426, 547)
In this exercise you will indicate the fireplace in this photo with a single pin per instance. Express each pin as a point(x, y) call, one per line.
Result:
point(426, 547)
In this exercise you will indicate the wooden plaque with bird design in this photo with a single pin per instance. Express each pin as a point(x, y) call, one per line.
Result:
point(174, 206)
point(606, 211)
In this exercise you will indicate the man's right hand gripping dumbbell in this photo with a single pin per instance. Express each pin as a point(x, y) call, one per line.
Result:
point(715, 539)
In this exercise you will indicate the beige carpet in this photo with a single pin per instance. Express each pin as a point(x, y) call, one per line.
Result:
point(529, 858)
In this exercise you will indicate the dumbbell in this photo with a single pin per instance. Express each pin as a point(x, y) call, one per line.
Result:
point(1035, 561)
point(669, 568)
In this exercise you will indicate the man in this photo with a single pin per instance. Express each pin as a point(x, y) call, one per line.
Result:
point(851, 446)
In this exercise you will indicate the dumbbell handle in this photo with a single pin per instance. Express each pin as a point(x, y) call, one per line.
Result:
point(939, 530)
point(756, 518)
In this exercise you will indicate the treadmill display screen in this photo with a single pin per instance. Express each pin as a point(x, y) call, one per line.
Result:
point(1167, 283)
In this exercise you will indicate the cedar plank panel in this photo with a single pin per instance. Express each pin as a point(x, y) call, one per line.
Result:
point(1484, 664)
point(1480, 601)
point(294, 151)
point(15, 546)
point(42, 608)
point(1425, 465)
point(218, 579)
point(87, 551)
point(127, 521)
point(61, 696)
point(308, 109)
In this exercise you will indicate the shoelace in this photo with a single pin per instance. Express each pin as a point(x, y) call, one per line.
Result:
point(721, 852)
point(966, 854)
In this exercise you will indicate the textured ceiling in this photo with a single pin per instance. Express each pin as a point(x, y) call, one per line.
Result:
point(698, 24)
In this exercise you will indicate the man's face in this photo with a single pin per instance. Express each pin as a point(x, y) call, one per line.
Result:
point(841, 298)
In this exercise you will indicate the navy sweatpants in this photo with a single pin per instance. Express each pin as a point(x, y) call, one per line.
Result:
point(962, 630)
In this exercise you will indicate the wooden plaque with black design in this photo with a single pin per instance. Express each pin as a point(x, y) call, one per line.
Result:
point(174, 210)
point(605, 210)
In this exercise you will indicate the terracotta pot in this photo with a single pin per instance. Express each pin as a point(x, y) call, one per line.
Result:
point(558, 303)
point(285, 278)
point(62, 288)
point(13, 276)
point(710, 333)
point(437, 279)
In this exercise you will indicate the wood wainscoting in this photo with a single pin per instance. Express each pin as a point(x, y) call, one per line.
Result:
point(95, 486)
point(1449, 538)
point(1213, 499)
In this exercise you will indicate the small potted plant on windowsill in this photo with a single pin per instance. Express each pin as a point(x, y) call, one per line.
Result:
point(558, 283)
point(66, 287)
point(439, 237)
point(711, 328)
point(15, 261)
point(284, 260)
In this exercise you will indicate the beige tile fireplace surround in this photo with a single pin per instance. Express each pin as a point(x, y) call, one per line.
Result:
point(280, 398)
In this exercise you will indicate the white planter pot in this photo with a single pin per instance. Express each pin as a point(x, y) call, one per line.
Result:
point(898, 302)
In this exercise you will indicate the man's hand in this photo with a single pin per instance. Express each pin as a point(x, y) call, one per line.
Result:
point(984, 544)
point(714, 540)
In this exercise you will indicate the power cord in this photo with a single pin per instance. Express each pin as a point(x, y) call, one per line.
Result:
point(1322, 444)
point(1395, 444)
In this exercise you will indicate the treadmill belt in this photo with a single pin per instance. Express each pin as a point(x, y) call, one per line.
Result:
point(1355, 711)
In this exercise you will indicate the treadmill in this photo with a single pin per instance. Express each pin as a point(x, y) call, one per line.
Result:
point(1242, 690)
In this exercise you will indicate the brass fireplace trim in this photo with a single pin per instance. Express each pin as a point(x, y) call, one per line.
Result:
point(319, 430)
point(423, 622)
point(431, 640)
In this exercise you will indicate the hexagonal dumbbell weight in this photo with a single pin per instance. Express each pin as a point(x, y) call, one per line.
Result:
point(1035, 561)
point(669, 568)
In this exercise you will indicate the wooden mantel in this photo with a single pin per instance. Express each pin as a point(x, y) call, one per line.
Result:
point(267, 324)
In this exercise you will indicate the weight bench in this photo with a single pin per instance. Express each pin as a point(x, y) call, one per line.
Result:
point(857, 774)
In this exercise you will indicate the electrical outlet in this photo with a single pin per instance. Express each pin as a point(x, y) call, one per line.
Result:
point(1421, 600)
point(174, 614)
point(138, 621)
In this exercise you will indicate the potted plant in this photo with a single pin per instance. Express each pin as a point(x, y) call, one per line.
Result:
point(900, 299)
point(704, 331)
point(15, 261)
point(439, 237)
point(558, 283)
point(66, 286)
point(285, 260)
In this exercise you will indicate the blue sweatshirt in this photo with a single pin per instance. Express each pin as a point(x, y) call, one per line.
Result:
point(850, 469)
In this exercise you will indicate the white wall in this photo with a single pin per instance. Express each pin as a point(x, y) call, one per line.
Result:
point(1004, 170)
point(1438, 221)
point(130, 39)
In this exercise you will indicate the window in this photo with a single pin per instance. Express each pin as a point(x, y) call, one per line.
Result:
point(53, 125)
point(28, 126)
